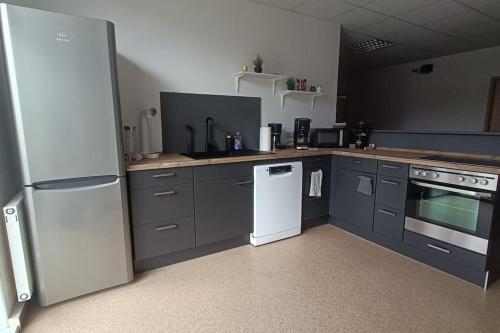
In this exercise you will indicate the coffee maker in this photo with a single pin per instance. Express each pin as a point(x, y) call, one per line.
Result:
point(275, 135)
point(361, 134)
point(301, 133)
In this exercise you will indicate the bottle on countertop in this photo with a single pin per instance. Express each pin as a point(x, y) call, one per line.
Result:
point(238, 143)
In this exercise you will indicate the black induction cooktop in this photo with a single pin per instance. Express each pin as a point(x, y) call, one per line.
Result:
point(221, 154)
point(463, 160)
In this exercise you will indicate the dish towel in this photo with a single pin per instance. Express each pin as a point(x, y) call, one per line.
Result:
point(316, 179)
point(365, 185)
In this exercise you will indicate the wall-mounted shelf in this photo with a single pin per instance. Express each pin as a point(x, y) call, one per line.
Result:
point(312, 95)
point(274, 78)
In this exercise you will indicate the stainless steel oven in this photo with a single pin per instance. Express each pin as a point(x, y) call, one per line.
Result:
point(451, 205)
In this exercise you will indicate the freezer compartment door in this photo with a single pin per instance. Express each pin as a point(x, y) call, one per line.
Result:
point(63, 86)
point(80, 237)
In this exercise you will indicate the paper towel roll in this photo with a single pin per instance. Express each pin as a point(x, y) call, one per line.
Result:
point(265, 138)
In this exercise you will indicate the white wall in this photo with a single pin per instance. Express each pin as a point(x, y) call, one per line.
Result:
point(453, 98)
point(195, 46)
point(10, 184)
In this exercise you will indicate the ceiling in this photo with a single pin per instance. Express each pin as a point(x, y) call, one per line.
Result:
point(419, 29)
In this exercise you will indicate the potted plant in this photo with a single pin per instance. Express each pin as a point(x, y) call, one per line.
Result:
point(290, 83)
point(258, 62)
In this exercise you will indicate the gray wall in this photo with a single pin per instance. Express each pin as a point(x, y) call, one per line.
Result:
point(452, 98)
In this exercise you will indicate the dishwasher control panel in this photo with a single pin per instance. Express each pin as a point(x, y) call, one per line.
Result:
point(276, 170)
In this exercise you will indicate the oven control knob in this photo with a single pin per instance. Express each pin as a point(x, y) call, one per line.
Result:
point(435, 175)
point(424, 173)
point(461, 179)
point(416, 172)
point(483, 182)
point(473, 180)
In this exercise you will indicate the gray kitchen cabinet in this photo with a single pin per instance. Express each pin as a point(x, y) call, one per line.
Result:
point(162, 211)
point(160, 177)
point(161, 203)
point(357, 164)
point(314, 208)
point(223, 206)
point(391, 191)
point(222, 171)
point(155, 239)
point(350, 205)
point(445, 251)
point(392, 184)
point(393, 169)
point(389, 222)
point(381, 218)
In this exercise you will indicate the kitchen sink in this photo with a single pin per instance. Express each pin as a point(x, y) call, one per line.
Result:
point(222, 154)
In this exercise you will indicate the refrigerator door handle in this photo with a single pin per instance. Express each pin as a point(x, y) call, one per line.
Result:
point(88, 183)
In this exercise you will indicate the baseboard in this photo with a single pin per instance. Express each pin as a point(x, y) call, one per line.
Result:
point(315, 222)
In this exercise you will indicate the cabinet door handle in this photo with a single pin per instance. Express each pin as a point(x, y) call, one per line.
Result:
point(248, 182)
point(439, 248)
point(393, 167)
point(383, 181)
point(387, 212)
point(164, 175)
point(354, 162)
point(167, 227)
point(160, 194)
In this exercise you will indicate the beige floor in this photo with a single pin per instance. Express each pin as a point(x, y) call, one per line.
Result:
point(325, 280)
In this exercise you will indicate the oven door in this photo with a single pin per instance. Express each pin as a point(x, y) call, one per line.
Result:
point(458, 216)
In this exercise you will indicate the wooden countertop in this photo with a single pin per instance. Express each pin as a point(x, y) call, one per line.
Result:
point(385, 154)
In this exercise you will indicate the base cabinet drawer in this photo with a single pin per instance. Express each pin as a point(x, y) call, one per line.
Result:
point(393, 169)
point(161, 203)
point(222, 171)
point(389, 222)
point(391, 191)
point(316, 162)
point(445, 250)
point(156, 239)
point(357, 164)
point(160, 177)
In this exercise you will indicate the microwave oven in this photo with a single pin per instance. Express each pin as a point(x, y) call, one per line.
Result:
point(327, 137)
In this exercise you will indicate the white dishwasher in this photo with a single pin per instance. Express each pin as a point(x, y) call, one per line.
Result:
point(277, 202)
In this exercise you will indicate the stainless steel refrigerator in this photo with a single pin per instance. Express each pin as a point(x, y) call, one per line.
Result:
point(61, 74)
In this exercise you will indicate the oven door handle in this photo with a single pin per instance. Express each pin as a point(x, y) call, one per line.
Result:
point(453, 189)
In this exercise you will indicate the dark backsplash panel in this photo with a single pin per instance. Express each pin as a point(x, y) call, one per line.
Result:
point(476, 143)
point(230, 113)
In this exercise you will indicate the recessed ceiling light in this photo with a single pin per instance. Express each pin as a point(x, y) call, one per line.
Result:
point(371, 45)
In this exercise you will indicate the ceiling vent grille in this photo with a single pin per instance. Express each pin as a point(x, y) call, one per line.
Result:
point(371, 45)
